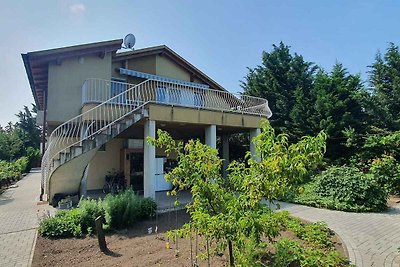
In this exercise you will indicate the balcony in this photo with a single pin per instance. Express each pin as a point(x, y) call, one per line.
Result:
point(97, 91)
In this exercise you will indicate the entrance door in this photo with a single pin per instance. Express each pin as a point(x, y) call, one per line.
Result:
point(136, 168)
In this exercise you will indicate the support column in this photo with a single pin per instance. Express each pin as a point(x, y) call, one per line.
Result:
point(211, 136)
point(225, 154)
point(254, 133)
point(149, 159)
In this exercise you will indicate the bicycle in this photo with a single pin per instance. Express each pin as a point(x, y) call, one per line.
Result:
point(115, 183)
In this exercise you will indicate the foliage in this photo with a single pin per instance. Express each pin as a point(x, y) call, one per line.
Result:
point(386, 171)
point(11, 146)
point(306, 99)
point(13, 170)
point(34, 157)
point(292, 253)
point(15, 139)
point(28, 132)
point(344, 188)
point(385, 86)
point(316, 235)
point(126, 208)
point(90, 209)
point(22, 164)
point(63, 224)
point(285, 79)
point(229, 211)
point(120, 211)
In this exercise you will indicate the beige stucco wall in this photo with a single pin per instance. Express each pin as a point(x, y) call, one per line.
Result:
point(65, 83)
point(144, 64)
point(103, 162)
point(166, 67)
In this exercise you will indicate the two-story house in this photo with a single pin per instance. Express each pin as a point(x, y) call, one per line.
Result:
point(99, 106)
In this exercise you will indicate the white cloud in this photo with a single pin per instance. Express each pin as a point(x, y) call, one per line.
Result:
point(77, 8)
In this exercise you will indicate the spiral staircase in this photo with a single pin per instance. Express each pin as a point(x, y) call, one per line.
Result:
point(115, 107)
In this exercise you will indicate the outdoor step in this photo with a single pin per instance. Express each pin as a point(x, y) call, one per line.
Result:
point(114, 131)
point(129, 122)
point(56, 163)
point(64, 157)
point(101, 139)
point(76, 151)
point(88, 145)
point(67, 150)
point(138, 117)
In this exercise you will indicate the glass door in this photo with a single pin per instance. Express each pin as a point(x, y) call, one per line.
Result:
point(136, 167)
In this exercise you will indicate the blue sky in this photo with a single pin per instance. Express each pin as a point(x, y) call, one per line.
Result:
point(221, 38)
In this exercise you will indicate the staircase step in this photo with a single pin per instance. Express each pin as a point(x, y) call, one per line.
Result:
point(101, 139)
point(88, 145)
point(56, 163)
point(129, 122)
point(138, 117)
point(64, 157)
point(76, 151)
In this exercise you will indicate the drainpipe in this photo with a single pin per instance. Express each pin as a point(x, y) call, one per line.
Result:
point(44, 128)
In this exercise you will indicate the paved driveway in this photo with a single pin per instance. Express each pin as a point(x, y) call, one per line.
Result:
point(18, 221)
point(372, 239)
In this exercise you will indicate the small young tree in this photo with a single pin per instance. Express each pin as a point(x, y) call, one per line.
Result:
point(230, 212)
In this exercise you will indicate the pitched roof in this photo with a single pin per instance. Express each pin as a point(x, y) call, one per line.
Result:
point(171, 54)
point(37, 63)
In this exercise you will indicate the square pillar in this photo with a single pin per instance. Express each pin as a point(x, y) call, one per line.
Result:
point(225, 153)
point(149, 158)
point(254, 133)
point(211, 136)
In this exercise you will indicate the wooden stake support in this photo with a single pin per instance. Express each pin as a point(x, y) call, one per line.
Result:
point(100, 234)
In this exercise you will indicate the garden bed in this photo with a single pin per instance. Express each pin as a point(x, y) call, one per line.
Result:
point(133, 247)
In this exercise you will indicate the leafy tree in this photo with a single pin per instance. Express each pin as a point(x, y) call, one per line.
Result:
point(22, 138)
point(306, 99)
point(229, 212)
point(285, 79)
point(11, 145)
point(28, 130)
point(385, 86)
point(338, 105)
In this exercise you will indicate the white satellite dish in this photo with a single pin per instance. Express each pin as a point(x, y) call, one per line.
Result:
point(129, 41)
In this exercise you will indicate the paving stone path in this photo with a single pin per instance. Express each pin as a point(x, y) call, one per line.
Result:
point(18, 221)
point(372, 239)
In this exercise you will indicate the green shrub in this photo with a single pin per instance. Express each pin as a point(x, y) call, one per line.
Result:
point(120, 211)
point(9, 170)
point(126, 208)
point(344, 188)
point(66, 223)
point(21, 164)
point(317, 234)
point(292, 253)
point(287, 253)
point(148, 208)
point(34, 157)
point(386, 171)
point(90, 209)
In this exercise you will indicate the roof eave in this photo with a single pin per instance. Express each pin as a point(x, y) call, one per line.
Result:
point(27, 65)
point(172, 54)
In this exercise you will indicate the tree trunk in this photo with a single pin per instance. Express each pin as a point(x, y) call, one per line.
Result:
point(231, 258)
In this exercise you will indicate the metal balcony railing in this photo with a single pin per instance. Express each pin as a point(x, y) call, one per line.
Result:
point(97, 91)
point(116, 100)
